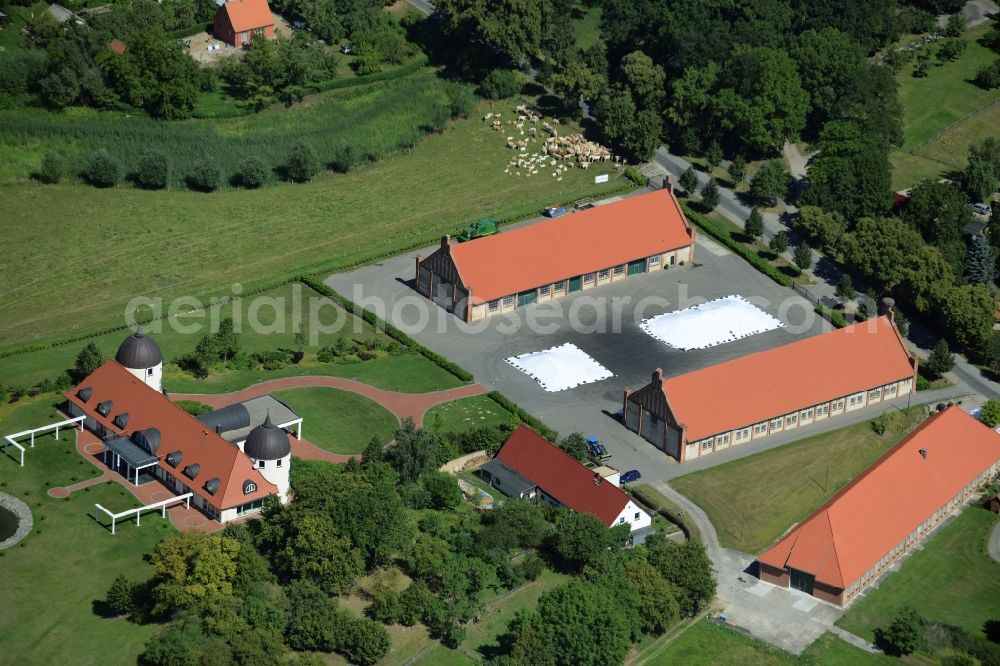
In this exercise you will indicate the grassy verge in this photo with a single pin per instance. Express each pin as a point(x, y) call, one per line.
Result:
point(465, 414)
point(951, 579)
point(52, 581)
point(753, 501)
point(659, 503)
point(340, 421)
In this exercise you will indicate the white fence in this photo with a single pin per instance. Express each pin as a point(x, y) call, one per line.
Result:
point(162, 505)
point(9, 440)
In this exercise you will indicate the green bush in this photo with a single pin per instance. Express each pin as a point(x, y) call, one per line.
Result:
point(635, 176)
point(368, 61)
point(302, 164)
point(153, 172)
point(53, 168)
point(102, 170)
point(251, 172)
point(715, 231)
point(835, 318)
point(989, 76)
point(501, 84)
point(206, 177)
point(523, 416)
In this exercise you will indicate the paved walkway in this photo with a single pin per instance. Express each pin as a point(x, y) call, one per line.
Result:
point(993, 546)
point(403, 405)
point(854, 639)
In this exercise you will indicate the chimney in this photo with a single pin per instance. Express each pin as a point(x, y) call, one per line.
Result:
point(668, 183)
point(923, 453)
point(887, 307)
point(445, 241)
point(597, 479)
point(658, 378)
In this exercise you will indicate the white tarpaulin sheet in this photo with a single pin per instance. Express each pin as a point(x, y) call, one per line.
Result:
point(560, 368)
point(714, 323)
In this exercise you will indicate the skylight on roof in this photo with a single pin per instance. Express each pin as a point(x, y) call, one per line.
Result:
point(713, 323)
point(560, 368)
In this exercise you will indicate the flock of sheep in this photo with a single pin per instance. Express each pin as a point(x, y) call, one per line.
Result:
point(555, 151)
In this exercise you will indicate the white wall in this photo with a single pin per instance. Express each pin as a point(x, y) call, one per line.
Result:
point(629, 513)
point(150, 376)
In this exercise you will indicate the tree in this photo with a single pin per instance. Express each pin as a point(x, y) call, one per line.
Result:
point(955, 25)
point(980, 179)
point(102, 170)
point(779, 242)
point(845, 287)
point(714, 154)
point(153, 172)
point(990, 354)
point(710, 195)
point(990, 414)
point(988, 76)
point(191, 567)
point(121, 596)
point(363, 641)
point(302, 164)
point(754, 226)
point(414, 453)
point(769, 184)
point(52, 169)
point(738, 169)
point(980, 261)
point(658, 609)
point(904, 634)
point(501, 83)
point(940, 361)
point(312, 618)
point(578, 539)
point(968, 313)
point(514, 526)
point(575, 83)
point(442, 490)
point(803, 255)
point(951, 48)
point(227, 340)
point(206, 177)
point(825, 229)
point(88, 360)
point(644, 80)
point(686, 566)
point(512, 30)
point(576, 445)
point(828, 62)
point(315, 551)
point(251, 172)
point(689, 181)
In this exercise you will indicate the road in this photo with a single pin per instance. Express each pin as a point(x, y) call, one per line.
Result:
point(423, 6)
point(994, 543)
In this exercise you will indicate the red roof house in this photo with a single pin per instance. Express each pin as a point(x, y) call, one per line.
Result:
point(774, 390)
point(237, 21)
point(557, 256)
point(563, 480)
point(854, 538)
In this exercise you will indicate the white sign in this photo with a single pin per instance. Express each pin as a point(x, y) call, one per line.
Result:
point(601, 179)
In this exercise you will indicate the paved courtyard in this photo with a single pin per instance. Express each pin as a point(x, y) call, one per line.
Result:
point(603, 322)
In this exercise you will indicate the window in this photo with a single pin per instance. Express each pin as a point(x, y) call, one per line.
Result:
point(875, 394)
point(823, 410)
point(776, 424)
point(619, 270)
point(722, 439)
point(260, 464)
point(621, 520)
point(561, 285)
point(838, 404)
point(544, 291)
point(636, 516)
point(791, 419)
point(654, 260)
point(603, 275)
point(149, 372)
point(807, 414)
point(706, 444)
point(250, 507)
point(890, 390)
point(588, 278)
point(760, 428)
point(508, 300)
point(249, 487)
point(494, 305)
point(277, 463)
point(742, 434)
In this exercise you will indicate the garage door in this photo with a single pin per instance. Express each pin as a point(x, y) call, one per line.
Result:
point(802, 581)
point(637, 266)
point(574, 283)
point(443, 295)
point(527, 297)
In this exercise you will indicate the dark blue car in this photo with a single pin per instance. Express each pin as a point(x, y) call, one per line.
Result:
point(631, 476)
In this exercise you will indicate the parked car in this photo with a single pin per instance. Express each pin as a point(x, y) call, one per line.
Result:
point(981, 208)
point(595, 446)
point(631, 476)
point(554, 211)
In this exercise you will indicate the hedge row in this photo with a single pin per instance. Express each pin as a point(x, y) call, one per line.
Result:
point(670, 512)
point(720, 234)
point(390, 330)
point(388, 75)
point(834, 317)
point(523, 416)
point(190, 32)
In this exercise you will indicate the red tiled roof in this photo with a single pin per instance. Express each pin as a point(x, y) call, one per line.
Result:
point(248, 14)
point(117, 46)
point(874, 513)
point(801, 374)
point(561, 476)
point(179, 431)
point(570, 245)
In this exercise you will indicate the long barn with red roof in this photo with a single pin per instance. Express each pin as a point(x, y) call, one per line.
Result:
point(853, 539)
point(556, 257)
point(772, 391)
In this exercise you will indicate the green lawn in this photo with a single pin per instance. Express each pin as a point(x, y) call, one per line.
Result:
point(951, 579)
point(754, 500)
point(466, 413)
point(198, 245)
point(339, 421)
point(68, 563)
point(178, 336)
point(708, 643)
point(931, 104)
point(587, 25)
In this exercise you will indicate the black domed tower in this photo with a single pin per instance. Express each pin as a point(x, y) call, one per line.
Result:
point(271, 451)
point(141, 356)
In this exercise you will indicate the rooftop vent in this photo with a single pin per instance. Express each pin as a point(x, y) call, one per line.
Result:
point(85, 393)
point(121, 420)
point(174, 459)
point(191, 471)
point(104, 408)
point(212, 485)
point(923, 453)
point(597, 479)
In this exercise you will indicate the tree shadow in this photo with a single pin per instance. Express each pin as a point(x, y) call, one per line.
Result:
point(790, 271)
point(827, 269)
point(992, 630)
point(102, 608)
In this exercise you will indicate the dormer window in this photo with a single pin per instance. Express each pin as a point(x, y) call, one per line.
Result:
point(104, 408)
point(212, 486)
point(84, 393)
point(121, 420)
point(191, 471)
point(249, 487)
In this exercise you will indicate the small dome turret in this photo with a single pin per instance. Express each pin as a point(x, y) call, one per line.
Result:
point(139, 351)
point(267, 442)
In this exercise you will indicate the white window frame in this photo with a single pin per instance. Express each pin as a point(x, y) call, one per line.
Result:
point(508, 300)
point(792, 419)
point(604, 274)
point(760, 428)
point(589, 278)
point(654, 260)
point(544, 290)
point(560, 286)
point(619, 270)
point(494, 305)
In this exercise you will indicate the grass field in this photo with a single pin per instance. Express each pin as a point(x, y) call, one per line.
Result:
point(50, 584)
point(178, 335)
point(461, 415)
point(754, 500)
point(198, 245)
point(931, 104)
point(340, 421)
point(951, 579)
point(587, 25)
point(708, 643)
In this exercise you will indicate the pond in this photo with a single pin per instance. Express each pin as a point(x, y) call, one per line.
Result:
point(8, 524)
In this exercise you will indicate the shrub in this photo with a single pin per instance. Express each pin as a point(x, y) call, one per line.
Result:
point(635, 176)
point(121, 596)
point(940, 361)
point(302, 164)
point(52, 169)
point(903, 635)
point(501, 83)
point(102, 170)
point(368, 61)
point(193, 407)
point(461, 99)
point(803, 255)
point(779, 242)
point(836, 318)
point(251, 172)
point(989, 76)
point(709, 227)
point(991, 413)
point(206, 177)
point(523, 416)
point(153, 172)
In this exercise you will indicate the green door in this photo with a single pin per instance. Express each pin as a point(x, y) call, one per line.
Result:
point(803, 581)
point(526, 297)
point(637, 266)
point(574, 283)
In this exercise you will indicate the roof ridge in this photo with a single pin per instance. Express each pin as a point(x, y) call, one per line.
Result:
point(833, 545)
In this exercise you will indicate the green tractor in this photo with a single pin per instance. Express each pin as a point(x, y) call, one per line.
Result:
point(484, 227)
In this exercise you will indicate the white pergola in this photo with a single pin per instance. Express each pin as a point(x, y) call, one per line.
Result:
point(162, 505)
point(10, 440)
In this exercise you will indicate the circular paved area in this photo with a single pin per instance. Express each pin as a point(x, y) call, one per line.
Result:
point(194, 521)
point(93, 448)
point(58, 492)
point(24, 519)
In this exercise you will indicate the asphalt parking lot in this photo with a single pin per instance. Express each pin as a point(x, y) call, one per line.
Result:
point(603, 322)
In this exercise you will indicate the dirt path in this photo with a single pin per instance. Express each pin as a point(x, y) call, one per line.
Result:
point(403, 405)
